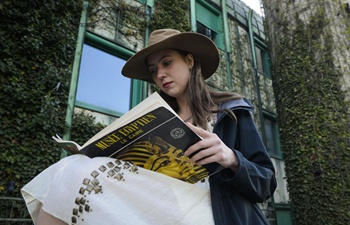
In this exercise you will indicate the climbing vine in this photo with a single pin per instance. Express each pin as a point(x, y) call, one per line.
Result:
point(312, 116)
point(119, 15)
point(171, 14)
point(37, 46)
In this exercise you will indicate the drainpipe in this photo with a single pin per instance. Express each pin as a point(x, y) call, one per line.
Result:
point(227, 45)
point(257, 89)
point(256, 74)
point(193, 15)
point(139, 88)
point(75, 75)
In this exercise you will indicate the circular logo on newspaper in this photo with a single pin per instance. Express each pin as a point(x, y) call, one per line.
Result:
point(177, 133)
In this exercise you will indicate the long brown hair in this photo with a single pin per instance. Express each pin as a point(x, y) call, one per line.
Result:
point(202, 101)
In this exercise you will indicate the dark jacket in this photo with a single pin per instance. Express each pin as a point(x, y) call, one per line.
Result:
point(235, 196)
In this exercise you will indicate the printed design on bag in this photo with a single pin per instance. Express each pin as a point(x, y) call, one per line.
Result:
point(91, 185)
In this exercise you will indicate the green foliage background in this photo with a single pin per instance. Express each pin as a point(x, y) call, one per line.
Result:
point(171, 14)
point(37, 46)
point(312, 114)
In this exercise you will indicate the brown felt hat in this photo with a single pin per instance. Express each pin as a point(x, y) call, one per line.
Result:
point(199, 45)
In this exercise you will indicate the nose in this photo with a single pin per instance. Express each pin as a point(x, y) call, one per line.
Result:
point(160, 73)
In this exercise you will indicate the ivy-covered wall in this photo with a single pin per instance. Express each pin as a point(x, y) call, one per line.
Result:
point(308, 42)
point(37, 47)
point(37, 43)
point(120, 21)
point(125, 21)
point(171, 14)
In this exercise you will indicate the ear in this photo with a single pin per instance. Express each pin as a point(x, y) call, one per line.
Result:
point(189, 60)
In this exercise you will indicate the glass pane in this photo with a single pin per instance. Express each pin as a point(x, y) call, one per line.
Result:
point(271, 136)
point(259, 60)
point(100, 81)
point(206, 31)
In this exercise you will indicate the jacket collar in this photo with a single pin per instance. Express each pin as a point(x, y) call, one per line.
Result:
point(236, 104)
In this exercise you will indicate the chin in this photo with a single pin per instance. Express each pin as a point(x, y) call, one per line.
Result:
point(171, 94)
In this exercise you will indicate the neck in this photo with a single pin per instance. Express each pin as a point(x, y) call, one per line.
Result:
point(184, 109)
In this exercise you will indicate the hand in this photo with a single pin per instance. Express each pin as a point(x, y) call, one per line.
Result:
point(211, 149)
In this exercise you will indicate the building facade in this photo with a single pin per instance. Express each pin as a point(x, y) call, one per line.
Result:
point(112, 31)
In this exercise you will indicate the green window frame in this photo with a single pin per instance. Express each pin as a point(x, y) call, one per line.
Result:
point(272, 140)
point(262, 58)
point(104, 45)
point(283, 214)
point(209, 17)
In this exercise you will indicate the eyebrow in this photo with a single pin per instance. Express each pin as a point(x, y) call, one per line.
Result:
point(161, 58)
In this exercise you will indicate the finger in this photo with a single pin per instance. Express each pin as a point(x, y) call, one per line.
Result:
point(202, 154)
point(201, 132)
point(206, 160)
point(200, 145)
point(192, 149)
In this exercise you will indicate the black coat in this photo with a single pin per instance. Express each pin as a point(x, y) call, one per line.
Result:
point(234, 197)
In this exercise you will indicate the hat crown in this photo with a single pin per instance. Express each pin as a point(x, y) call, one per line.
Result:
point(197, 44)
point(161, 35)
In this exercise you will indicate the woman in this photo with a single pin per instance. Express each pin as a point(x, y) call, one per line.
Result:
point(178, 63)
point(76, 191)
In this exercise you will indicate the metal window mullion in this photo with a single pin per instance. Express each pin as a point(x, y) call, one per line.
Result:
point(75, 75)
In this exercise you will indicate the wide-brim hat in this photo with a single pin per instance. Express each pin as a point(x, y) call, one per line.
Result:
point(199, 45)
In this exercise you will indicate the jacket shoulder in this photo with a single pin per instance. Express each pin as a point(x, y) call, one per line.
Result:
point(236, 104)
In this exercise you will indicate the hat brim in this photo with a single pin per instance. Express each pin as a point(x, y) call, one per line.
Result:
point(199, 45)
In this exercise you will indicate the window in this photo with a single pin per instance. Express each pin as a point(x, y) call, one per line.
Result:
point(283, 214)
point(101, 86)
point(209, 22)
point(206, 31)
point(259, 60)
point(262, 61)
point(271, 136)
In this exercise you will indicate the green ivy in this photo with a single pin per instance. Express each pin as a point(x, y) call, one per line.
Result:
point(37, 47)
point(171, 14)
point(313, 119)
point(112, 14)
point(84, 127)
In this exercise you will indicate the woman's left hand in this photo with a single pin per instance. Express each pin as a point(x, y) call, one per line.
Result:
point(211, 149)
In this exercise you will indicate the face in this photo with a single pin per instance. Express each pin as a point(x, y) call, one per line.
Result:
point(170, 71)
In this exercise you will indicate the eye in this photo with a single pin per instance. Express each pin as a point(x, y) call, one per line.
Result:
point(167, 62)
point(153, 70)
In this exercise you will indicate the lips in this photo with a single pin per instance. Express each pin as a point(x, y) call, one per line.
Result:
point(166, 84)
